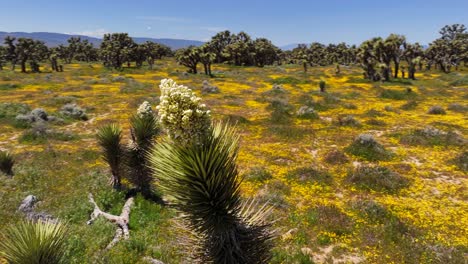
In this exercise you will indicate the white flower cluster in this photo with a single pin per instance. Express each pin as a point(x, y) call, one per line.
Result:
point(144, 109)
point(181, 113)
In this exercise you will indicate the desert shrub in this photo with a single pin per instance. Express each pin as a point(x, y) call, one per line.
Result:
point(410, 105)
point(119, 78)
point(276, 89)
point(10, 110)
point(457, 108)
point(390, 108)
point(6, 163)
point(365, 146)
point(377, 178)
point(390, 227)
point(430, 136)
point(372, 211)
point(332, 219)
point(40, 133)
point(349, 106)
point(34, 242)
point(348, 120)
point(280, 111)
point(8, 86)
point(322, 85)
point(376, 122)
point(336, 157)
point(397, 95)
point(460, 82)
point(236, 119)
point(436, 110)
point(38, 115)
point(306, 99)
point(74, 111)
point(288, 80)
point(59, 100)
point(310, 174)
point(77, 88)
point(373, 113)
point(330, 98)
point(307, 112)
point(461, 161)
point(259, 174)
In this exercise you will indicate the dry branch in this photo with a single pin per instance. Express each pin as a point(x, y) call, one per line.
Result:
point(121, 221)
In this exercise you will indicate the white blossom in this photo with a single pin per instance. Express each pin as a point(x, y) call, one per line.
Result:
point(144, 109)
point(181, 113)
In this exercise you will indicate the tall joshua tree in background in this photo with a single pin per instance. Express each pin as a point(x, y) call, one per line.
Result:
point(197, 168)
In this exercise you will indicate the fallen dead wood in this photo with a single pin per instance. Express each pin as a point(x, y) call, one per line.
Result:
point(121, 220)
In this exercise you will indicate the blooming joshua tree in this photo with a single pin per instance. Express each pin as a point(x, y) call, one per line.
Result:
point(196, 167)
point(185, 119)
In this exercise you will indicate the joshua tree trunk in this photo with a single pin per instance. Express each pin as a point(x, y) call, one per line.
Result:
point(121, 221)
point(397, 66)
point(23, 66)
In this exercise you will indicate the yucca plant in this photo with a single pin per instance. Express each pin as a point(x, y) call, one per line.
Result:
point(34, 243)
point(6, 163)
point(203, 183)
point(144, 129)
point(109, 138)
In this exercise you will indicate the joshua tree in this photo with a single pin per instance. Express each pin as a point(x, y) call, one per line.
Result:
point(189, 57)
point(219, 42)
point(207, 57)
point(198, 169)
point(154, 51)
point(3, 52)
point(241, 49)
point(109, 138)
point(32, 51)
point(369, 57)
point(412, 55)
point(10, 55)
point(265, 53)
point(394, 47)
point(116, 49)
point(144, 129)
point(34, 242)
point(6, 163)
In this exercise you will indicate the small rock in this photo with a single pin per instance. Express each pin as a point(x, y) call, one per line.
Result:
point(207, 88)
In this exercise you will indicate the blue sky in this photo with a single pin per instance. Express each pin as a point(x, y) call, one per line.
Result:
point(284, 22)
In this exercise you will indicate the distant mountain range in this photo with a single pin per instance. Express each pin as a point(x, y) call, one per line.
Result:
point(55, 39)
point(289, 46)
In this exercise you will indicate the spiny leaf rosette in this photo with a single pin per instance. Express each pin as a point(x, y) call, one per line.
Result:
point(144, 130)
point(109, 139)
point(34, 242)
point(200, 176)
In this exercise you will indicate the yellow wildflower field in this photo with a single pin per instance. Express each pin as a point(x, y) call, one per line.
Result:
point(302, 166)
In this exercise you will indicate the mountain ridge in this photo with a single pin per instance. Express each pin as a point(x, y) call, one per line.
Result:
point(52, 39)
